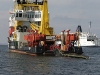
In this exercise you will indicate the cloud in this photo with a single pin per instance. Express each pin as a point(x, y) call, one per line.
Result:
point(75, 8)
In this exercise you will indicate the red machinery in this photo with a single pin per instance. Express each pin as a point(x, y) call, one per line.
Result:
point(11, 29)
point(33, 38)
point(66, 39)
point(70, 39)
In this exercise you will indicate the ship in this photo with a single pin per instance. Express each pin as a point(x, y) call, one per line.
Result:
point(87, 39)
point(30, 32)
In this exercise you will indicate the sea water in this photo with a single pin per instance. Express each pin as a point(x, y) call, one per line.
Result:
point(19, 64)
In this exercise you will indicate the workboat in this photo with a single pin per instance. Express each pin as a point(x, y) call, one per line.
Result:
point(87, 39)
point(30, 32)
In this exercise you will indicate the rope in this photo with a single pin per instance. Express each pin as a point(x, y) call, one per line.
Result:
point(72, 55)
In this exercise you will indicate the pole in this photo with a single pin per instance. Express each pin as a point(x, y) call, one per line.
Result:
point(90, 27)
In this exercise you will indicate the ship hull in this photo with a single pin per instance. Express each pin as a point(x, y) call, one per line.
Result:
point(34, 51)
point(46, 53)
point(51, 53)
point(40, 51)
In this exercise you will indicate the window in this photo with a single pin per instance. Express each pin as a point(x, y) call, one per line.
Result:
point(28, 16)
point(20, 14)
point(35, 14)
point(32, 15)
point(16, 14)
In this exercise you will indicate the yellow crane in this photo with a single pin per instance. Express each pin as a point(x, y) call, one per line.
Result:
point(43, 25)
point(34, 26)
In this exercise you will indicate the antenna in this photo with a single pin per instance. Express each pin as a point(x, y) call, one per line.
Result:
point(90, 24)
point(90, 27)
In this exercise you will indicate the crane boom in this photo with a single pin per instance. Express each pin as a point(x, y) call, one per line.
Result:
point(34, 26)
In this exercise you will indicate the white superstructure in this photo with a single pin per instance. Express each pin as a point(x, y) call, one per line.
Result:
point(88, 39)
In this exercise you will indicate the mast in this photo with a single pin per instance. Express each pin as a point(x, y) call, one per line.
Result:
point(90, 27)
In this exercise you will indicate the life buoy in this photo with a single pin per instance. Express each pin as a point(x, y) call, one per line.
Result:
point(19, 27)
point(24, 27)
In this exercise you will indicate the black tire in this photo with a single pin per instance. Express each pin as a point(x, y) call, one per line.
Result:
point(19, 28)
point(24, 28)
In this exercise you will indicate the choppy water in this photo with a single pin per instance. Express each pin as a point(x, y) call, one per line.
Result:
point(17, 64)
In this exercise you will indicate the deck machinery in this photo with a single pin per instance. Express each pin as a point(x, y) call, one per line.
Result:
point(30, 33)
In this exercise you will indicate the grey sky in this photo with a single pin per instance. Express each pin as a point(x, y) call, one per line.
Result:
point(64, 14)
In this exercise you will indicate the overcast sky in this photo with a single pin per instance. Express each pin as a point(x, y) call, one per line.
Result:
point(64, 14)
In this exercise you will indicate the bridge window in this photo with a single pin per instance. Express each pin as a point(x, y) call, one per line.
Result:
point(16, 14)
point(20, 14)
point(36, 15)
point(32, 15)
point(28, 16)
